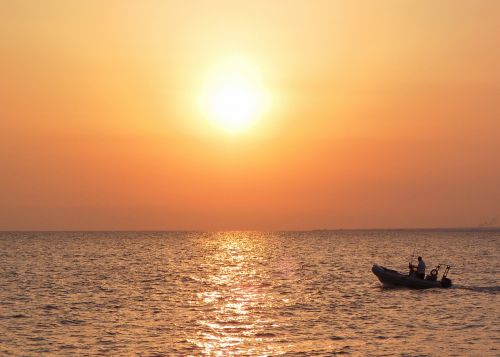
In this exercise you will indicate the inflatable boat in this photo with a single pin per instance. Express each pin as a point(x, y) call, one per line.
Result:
point(392, 278)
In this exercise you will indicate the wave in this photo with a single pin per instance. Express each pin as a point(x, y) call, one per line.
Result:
point(480, 289)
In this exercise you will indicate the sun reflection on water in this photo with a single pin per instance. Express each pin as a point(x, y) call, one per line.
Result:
point(233, 296)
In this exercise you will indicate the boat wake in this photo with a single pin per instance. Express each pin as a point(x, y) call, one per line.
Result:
point(480, 289)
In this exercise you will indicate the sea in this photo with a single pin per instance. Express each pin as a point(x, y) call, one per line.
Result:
point(308, 293)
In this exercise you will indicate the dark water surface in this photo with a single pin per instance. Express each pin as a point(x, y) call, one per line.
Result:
point(294, 293)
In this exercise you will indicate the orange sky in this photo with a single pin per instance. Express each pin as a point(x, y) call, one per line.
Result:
point(383, 114)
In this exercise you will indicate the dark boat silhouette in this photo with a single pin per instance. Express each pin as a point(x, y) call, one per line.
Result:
point(393, 278)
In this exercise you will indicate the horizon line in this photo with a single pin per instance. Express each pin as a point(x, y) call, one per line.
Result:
point(486, 228)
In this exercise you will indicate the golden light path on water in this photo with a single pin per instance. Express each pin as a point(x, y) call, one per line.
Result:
point(235, 290)
point(248, 302)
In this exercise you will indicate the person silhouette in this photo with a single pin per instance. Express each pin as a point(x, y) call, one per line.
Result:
point(421, 268)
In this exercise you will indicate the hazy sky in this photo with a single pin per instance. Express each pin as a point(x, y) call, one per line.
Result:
point(382, 114)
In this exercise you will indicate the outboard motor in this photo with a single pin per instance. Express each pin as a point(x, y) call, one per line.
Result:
point(445, 282)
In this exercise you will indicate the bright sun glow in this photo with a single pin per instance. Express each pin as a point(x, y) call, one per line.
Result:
point(233, 96)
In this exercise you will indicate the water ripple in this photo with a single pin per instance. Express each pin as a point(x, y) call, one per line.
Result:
point(244, 293)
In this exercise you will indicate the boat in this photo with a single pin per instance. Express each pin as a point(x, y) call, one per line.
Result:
point(393, 278)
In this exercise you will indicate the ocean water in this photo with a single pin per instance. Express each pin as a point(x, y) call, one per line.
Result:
point(245, 293)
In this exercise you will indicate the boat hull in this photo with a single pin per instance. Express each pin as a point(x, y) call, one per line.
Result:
point(392, 278)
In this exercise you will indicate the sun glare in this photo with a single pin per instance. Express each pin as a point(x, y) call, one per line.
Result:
point(233, 97)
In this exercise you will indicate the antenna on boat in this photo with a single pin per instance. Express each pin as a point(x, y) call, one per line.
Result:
point(412, 254)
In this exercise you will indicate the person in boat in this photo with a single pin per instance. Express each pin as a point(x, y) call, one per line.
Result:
point(421, 268)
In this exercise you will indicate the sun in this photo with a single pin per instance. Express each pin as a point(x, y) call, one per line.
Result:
point(233, 97)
